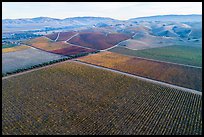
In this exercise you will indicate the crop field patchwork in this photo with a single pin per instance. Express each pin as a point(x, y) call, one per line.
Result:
point(46, 44)
point(63, 100)
point(98, 40)
point(59, 47)
point(25, 58)
point(42, 39)
point(72, 50)
point(14, 49)
point(188, 55)
point(94, 75)
point(8, 45)
point(174, 74)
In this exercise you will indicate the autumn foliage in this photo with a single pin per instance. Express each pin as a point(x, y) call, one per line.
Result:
point(74, 99)
point(166, 72)
point(97, 40)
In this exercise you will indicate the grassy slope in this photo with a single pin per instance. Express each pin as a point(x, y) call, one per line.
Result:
point(97, 40)
point(64, 100)
point(177, 54)
point(46, 44)
point(16, 48)
point(8, 46)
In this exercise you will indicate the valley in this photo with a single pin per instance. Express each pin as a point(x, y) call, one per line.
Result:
point(102, 76)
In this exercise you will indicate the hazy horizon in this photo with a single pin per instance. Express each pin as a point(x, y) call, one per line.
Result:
point(99, 16)
point(115, 10)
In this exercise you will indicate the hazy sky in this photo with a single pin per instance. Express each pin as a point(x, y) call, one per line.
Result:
point(116, 10)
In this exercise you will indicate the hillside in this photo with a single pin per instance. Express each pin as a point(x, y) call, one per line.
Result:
point(46, 22)
point(176, 18)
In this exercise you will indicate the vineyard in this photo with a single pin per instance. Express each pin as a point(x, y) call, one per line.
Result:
point(8, 45)
point(169, 73)
point(21, 59)
point(13, 49)
point(59, 47)
point(63, 100)
point(188, 55)
point(38, 40)
point(65, 35)
point(52, 36)
point(97, 40)
point(72, 50)
point(46, 44)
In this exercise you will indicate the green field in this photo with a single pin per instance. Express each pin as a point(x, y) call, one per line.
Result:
point(8, 45)
point(177, 54)
point(64, 100)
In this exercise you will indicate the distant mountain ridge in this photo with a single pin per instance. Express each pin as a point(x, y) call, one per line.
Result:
point(42, 22)
point(156, 17)
point(173, 18)
point(48, 19)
